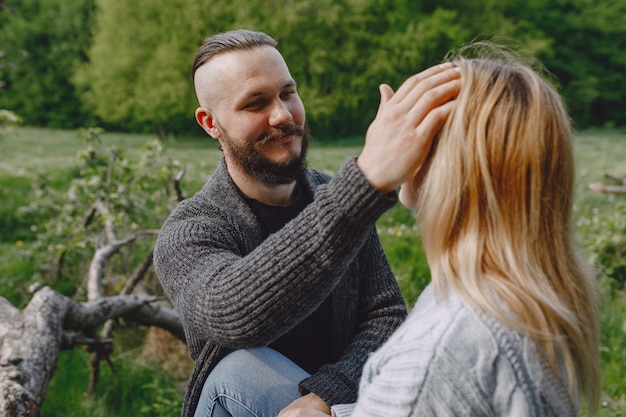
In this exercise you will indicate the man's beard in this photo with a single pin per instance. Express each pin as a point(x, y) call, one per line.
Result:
point(249, 156)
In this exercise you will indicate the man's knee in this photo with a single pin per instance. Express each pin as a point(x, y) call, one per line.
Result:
point(257, 382)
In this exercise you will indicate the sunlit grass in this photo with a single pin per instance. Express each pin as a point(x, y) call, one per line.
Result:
point(132, 390)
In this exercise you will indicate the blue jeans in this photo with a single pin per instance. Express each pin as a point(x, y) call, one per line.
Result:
point(250, 383)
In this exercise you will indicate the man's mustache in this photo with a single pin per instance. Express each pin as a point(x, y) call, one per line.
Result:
point(281, 132)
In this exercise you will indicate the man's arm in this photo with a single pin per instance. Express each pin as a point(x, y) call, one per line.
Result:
point(237, 298)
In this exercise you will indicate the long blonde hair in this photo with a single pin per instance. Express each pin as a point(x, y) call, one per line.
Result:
point(495, 209)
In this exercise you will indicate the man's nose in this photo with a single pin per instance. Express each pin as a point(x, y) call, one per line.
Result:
point(280, 114)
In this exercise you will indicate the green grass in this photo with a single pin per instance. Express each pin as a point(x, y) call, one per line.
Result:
point(29, 152)
point(132, 390)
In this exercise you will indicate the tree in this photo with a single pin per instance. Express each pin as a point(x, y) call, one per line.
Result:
point(587, 56)
point(32, 338)
point(134, 73)
point(109, 199)
point(41, 41)
point(340, 51)
point(138, 74)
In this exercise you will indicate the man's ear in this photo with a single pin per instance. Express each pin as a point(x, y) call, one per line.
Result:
point(205, 120)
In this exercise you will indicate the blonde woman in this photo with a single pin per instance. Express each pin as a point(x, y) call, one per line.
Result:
point(508, 326)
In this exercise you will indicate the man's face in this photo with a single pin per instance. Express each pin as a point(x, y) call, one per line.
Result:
point(249, 102)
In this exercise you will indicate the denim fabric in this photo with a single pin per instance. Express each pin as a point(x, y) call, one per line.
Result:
point(250, 383)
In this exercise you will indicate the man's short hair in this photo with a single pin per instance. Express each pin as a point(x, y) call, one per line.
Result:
point(229, 41)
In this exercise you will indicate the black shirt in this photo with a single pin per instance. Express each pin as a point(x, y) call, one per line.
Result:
point(309, 343)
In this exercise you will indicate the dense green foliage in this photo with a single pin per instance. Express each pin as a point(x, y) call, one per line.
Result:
point(42, 165)
point(41, 42)
point(127, 64)
point(136, 193)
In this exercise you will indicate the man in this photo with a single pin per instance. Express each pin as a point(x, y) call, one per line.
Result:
point(276, 270)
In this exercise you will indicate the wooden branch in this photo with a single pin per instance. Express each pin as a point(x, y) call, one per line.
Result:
point(70, 340)
point(29, 354)
point(94, 286)
point(180, 196)
point(137, 275)
point(109, 230)
point(152, 314)
point(89, 216)
point(618, 188)
point(621, 181)
point(128, 288)
point(608, 188)
point(102, 255)
point(32, 338)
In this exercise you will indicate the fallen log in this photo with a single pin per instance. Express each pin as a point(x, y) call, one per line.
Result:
point(30, 339)
point(618, 188)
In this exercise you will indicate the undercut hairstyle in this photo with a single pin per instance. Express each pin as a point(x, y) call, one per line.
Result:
point(495, 202)
point(227, 42)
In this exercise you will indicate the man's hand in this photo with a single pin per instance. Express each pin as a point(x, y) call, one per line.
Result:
point(399, 139)
point(309, 405)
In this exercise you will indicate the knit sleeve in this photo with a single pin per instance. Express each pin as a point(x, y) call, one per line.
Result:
point(342, 410)
point(237, 294)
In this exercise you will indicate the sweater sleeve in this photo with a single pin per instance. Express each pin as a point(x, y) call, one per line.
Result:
point(342, 410)
point(238, 297)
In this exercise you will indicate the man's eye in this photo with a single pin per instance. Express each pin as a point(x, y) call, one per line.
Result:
point(254, 104)
point(287, 94)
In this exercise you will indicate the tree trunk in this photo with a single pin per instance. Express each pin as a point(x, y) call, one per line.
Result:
point(30, 339)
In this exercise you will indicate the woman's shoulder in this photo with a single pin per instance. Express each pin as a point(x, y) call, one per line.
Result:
point(483, 361)
point(437, 319)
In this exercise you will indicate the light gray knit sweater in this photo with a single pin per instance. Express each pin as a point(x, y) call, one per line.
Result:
point(449, 359)
point(234, 290)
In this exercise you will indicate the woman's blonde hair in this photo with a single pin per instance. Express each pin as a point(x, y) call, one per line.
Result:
point(495, 209)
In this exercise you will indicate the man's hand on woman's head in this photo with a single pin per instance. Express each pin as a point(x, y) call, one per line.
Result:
point(399, 139)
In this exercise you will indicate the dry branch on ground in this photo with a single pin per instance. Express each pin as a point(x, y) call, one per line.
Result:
point(618, 186)
point(31, 339)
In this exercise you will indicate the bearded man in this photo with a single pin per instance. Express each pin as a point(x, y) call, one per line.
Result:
point(276, 270)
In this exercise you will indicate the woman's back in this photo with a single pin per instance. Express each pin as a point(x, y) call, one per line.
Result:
point(447, 359)
point(495, 210)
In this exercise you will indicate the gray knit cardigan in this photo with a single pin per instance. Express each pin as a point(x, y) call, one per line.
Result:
point(234, 290)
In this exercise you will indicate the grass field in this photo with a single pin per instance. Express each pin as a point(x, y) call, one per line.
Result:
point(30, 152)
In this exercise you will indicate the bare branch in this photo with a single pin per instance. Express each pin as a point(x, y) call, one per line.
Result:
point(180, 196)
point(102, 255)
point(88, 315)
point(109, 229)
point(70, 340)
point(137, 275)
point(128, 288)
point(607, 188)
point(151, 314)
point(31, 339)
point(89, 216)
point(621, 181)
